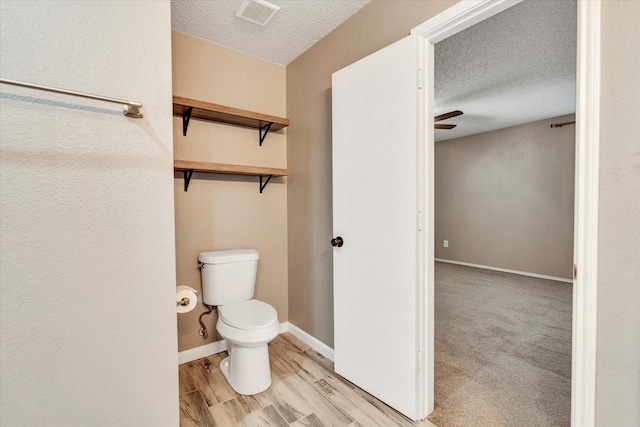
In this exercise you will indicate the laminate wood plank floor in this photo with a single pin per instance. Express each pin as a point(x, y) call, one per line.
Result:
point(305, 392)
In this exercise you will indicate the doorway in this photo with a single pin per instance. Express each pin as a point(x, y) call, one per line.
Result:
point(504, 192)
point(452, 21)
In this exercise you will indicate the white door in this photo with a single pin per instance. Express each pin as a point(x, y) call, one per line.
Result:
point(375, 212)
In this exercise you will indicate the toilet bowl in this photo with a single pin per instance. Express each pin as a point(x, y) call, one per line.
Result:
point(246, 324)
point(247, 328)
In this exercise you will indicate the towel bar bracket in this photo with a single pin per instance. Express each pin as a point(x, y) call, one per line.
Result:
point(132, 111)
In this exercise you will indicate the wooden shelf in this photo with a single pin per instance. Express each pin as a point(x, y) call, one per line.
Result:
point(183, 165)
point(189, 166)
point(223, 114)
point(192, 108)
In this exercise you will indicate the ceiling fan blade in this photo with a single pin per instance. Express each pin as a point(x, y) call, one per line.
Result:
point(443, 126)
point(448, 115)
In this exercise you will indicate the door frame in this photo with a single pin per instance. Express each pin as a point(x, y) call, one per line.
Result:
point(585, 282)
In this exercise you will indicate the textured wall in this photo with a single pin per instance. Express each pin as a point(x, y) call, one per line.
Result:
point(505, 198)
point(88, 264)
point(222, 212)
point(618, 357)
point(377, 25)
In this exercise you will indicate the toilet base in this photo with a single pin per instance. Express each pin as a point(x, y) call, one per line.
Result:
point(247, 369)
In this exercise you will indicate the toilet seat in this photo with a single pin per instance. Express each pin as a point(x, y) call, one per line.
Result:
point(251, 315)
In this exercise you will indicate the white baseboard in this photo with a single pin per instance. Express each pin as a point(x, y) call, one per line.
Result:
point(313, 342)
point(196, 353)
point(284, 327)
point(505, 270)
point(215, 347)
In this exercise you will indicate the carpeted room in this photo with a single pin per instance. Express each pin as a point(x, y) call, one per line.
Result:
point(504, 220)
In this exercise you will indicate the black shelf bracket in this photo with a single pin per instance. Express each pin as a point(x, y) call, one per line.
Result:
point(263, 185)
point(186, 116)
point(188, 173)
point(264, 130)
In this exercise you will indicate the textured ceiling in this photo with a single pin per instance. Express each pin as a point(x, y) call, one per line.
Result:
point(295, 28)
point(515, 67)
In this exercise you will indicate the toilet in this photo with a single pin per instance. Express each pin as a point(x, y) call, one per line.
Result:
point(246, 324)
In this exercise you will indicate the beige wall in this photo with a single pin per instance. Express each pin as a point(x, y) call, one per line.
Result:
point(310, 258)
point(618, 358)
point(505, 198)
point(221, 211)
point(309, 152)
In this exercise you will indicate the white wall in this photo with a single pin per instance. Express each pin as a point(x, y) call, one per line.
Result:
point(618, 357)
point(88, 319)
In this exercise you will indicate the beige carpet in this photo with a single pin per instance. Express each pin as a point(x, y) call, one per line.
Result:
point(502, 349)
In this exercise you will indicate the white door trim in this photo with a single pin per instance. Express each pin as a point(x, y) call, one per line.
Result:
point(585, 251)
point(453, 20)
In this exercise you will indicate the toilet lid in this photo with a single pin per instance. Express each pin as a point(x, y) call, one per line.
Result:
point(248, 315)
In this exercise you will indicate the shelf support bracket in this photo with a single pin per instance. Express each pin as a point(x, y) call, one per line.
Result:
point(263, 185)
point(188, 173)
point(264, 130)
point(186, 116)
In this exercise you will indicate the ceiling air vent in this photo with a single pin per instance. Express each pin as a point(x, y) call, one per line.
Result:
point(257, 11)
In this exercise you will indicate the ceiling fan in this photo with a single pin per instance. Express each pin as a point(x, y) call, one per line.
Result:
point(446, 116)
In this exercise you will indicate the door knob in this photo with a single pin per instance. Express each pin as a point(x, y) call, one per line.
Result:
point(337, 242)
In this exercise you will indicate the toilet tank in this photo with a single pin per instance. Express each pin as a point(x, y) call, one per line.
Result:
point(228, 276)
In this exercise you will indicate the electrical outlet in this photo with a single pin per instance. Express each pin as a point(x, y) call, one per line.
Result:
point(445, 243)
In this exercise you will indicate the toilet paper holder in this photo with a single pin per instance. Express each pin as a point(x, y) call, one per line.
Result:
point(186, 299)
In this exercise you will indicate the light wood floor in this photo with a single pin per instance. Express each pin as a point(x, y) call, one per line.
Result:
point(305, 392)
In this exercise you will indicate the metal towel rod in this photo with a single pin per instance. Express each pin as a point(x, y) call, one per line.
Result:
point(129, 109)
